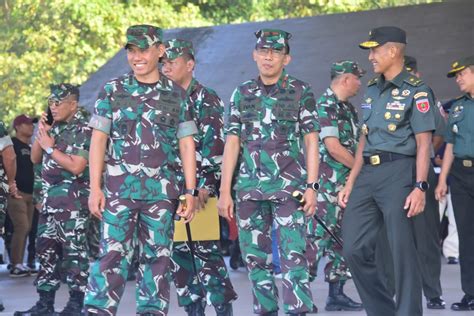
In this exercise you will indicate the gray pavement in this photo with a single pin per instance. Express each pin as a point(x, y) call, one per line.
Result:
point(20, 294)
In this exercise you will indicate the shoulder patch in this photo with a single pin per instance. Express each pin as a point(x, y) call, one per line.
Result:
point(372, 81)
point(414, 81)
point(420, 94)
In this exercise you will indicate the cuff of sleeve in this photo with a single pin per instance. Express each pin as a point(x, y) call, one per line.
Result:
point(80, 152)
point(5, 142)
point(100, 123)
point(329, 131)
point(187, 128)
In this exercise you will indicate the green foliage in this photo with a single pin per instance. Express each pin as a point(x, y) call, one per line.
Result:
point(54, 41)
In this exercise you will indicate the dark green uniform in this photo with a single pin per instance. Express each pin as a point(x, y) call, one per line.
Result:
point(393, 113)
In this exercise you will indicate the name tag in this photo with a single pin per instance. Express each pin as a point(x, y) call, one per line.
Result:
point(367, 106)
point(397, 106)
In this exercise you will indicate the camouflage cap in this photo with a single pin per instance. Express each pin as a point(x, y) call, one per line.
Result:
point(272, 38)
point(411, 64)
point(384, 34)
point(143, 36)
point(177, 47)
point(346, 67)
point(62, 91)
point(459, 65)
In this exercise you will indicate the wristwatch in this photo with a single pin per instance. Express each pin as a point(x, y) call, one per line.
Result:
point(49, 150)
point(314, 186)
point(422, 185)
point(193, 192)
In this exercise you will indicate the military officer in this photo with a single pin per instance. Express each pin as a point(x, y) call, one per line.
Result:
point(270, 116)
point(146, 121)
point(388, 181)
point(63, 149)
point(207, 109)
point(458, 162)
point(339, 135)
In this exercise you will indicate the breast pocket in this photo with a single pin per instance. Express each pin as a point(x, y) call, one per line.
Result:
point(167, 113)
point(457, 122)
point(249, 112)
point(285, 118)
point(122, 128)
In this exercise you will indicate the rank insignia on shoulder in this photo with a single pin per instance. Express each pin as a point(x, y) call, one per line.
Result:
point(423, 105)
point(406, 93)
point(365, 129)
point(395, 92)
point(455, 128)
point(392, 127)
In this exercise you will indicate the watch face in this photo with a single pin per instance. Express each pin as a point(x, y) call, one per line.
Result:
point(424, 185)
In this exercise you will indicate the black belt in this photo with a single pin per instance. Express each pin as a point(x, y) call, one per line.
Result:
point(468, 163)
point(380, 158)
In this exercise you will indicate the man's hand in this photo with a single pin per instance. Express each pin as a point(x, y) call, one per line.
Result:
point(186, 209)
point(310, 202)
point(415, 202)
point(43, 137)
point(97, 203)
point(343, 196)
point(441, 190)
point(13, 190)
point(202, 199)
point(225, 206)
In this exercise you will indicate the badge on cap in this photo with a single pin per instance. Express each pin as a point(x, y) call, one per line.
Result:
point(455, 128)
point(406, 93)
point(423, 105)
point(388, 115)
point(392, 127)
point(395, 92)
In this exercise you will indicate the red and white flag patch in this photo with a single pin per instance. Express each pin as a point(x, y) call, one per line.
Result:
point(423, 105)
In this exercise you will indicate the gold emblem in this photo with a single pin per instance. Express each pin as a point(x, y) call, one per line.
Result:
point(398, 116)
point(392, 127)
point(467, 163)
point(406, 93)
point(455, 128)
point(375, 160)
point(395, 92)
point(365, 129)
point(455, 64)
point(388, 115)
point(368, 100)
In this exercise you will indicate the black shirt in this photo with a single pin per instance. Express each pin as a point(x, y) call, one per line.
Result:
point(24, 166)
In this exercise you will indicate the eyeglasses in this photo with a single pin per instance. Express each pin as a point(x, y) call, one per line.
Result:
point(57, 103)
point(262, 51)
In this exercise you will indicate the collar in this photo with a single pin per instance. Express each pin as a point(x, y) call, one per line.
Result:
point(164, 83)
point(282, 82)
point(397, 81)
point(192, 86)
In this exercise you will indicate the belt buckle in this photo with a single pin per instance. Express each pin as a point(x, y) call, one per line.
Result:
point(467, 163)
point(375, 160)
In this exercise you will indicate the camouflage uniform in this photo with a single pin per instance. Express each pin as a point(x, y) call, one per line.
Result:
point(270, 126)
point(144, 123)
point(338, 119)
point(207, 110)
point(63, 217)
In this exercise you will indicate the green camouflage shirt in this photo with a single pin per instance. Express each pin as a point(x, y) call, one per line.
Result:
point(271, 127)
point(460, 131)
point(338, 119)
point(61, 187)
point(144, 123)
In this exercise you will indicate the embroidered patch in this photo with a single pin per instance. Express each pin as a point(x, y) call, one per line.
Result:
point(406, 93)
point(395, 105)
point(420, 94)
point(423, 105)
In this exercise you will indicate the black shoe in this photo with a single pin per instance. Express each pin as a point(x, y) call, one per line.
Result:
point(234, 261)
point(44, 306)
point(2, 308)
point(466, 304)
point(224, 310)
point(453, 260)
point(436, 303)
point(338, 301)
point(314, 310)
point(195, 309)
point(74, 305)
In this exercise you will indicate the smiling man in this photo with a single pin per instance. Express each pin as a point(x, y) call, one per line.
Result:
point(387, 183)
point(146, 121)
point(270, 117)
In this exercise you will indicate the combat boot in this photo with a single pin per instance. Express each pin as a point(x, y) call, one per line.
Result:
point(338, 301)
point(44, 306)
point(74, 305)
point(195, 308)
point(224, 309)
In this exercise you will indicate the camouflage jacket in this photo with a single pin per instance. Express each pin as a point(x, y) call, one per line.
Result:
point(271, 127)
point(5, 141)
point(37, 184)
point(208, 111)
point(144, 123)
point(338, 119)
point(61, 187)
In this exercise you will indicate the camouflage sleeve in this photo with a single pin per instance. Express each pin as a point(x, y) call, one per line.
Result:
point(37, 184)
point(309, 121)
point(102, 117)
point(187, 126)
point(233, 124)
point(81, 143)
point(212, 141)
point(327, 117)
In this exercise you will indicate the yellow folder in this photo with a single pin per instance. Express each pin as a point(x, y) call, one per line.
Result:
point(204, 226)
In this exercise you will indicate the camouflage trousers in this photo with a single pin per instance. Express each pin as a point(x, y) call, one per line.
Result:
point(255, 219)
point(319, 243)
point(62, 234)
point(93, 238)
point(213, 284)
point(123, 222)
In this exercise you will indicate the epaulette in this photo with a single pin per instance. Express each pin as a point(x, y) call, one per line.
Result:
point(372, 81)
point(459, 97)
point(414, 81)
